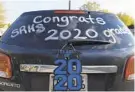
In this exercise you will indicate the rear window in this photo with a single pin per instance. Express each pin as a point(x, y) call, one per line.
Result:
point(51, 30)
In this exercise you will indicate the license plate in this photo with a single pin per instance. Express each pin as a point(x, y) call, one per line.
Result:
point(52, 82)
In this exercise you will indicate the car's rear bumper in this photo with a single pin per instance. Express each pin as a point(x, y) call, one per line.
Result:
point(99, 79)
point(41, 83)
point(122, 85)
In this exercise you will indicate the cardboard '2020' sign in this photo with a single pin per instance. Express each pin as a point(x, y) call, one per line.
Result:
point(68, 75)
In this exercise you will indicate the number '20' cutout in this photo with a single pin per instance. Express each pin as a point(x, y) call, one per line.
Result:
point(73, 63)
point(68, 71)
point(74, 82)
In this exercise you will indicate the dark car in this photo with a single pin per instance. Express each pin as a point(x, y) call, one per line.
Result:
point(90, 50)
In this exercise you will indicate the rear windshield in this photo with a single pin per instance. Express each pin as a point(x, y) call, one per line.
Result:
point(50, 30)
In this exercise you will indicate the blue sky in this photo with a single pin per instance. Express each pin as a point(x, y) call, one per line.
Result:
point(16, 7)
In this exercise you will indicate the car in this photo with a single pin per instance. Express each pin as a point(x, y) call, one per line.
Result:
point(67, 50)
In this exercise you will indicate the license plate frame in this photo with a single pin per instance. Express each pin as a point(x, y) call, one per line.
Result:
point(84, 77)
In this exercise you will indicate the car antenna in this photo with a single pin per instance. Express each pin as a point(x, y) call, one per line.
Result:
point(69, 4)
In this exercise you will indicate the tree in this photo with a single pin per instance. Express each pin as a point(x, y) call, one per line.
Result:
point(91, 6)
point(128, 20)
point(2, 13)
point(3, 25)
point(105, 10)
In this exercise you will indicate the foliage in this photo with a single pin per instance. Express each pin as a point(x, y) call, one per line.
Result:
point(105, 10)
point(2, 13)
point(91, 6)
point(128, 20)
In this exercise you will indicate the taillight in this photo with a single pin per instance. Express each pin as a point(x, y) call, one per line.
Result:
point(5, 66)
point(69, 11)
point(129, 69)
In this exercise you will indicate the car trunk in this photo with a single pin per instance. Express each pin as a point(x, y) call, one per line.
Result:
point(96, 80)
